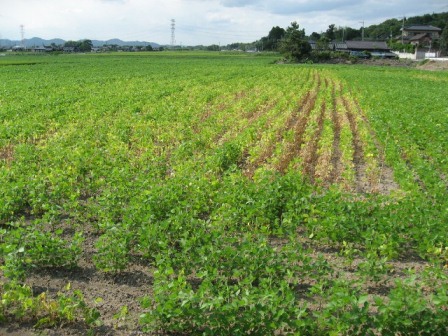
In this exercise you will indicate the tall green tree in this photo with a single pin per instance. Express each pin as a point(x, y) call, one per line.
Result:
point(346, 33)
point(315, 36)
point(386, 30)
point(271, 41)
point(71, 44)
point(294, 44)
point(213, 47)
point(443, 41)
point(275, 35)
point(85, 45)
point(330, 32)
point(323, 43)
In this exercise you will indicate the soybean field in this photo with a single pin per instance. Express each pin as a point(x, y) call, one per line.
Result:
point(188, 193)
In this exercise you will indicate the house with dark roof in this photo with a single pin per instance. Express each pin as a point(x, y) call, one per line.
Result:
point(370, 46)
point(374, 48)
point(414, 30)
point(320, 46)
point(43, 49)
point(69, 49)
point(420, 39)
point(419, 35)
point(347, 46)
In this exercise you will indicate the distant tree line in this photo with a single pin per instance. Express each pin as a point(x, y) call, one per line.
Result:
point(87, 46)
point(82, 46)
point(293, 41)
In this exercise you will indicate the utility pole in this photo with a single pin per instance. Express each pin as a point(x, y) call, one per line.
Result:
point(362, 31)
point(402, 30)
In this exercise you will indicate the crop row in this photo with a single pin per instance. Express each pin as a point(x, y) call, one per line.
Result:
point(247, 197)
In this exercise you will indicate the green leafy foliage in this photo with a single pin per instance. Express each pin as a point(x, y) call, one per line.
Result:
point(26, 248)
point(235, 287)
point(18, 302)
point(408, 311)
point(294, 45)
point(238, 183)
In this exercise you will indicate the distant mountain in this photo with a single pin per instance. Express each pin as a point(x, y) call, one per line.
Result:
point(38, 42)
point(119, 42)
point(33, 42)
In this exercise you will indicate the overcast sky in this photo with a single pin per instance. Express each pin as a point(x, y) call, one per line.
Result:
point(197, 21)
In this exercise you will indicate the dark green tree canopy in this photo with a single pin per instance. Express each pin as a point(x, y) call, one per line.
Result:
point(294, 45)
point(271, 41)
point(213, 47)
point(84, 45)
point(330, 33)
point(443, 43)
point(276, 33)
point(71, 44)
point(387, 29)
point(315, 36)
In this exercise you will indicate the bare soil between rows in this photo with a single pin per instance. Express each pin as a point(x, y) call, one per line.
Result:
point(434, 66)
point(115, 290)
point(430, 65)
point(128, 287)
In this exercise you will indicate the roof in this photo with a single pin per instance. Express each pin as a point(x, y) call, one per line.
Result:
point(418, 37)
point(43, 48)
point(423, 28)
point(315, 45)
point(359, 45)
point(367, 45)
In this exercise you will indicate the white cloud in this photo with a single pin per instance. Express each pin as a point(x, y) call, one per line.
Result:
point(239, 3)
point(197, 21)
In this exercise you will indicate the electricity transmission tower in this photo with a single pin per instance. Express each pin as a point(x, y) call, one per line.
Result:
point(173, 28)
point(22, 34)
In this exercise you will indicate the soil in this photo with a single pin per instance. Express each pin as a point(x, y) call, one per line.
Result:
point(115, 290)
point(434, 65)
point(430, 65)
point(336, 150)
point(406, 63)
point(128, 287)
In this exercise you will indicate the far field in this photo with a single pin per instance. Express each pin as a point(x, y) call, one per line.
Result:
point(221, 194)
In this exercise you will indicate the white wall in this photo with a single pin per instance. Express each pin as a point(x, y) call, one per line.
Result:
point(418, 55)
point(405, 55)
